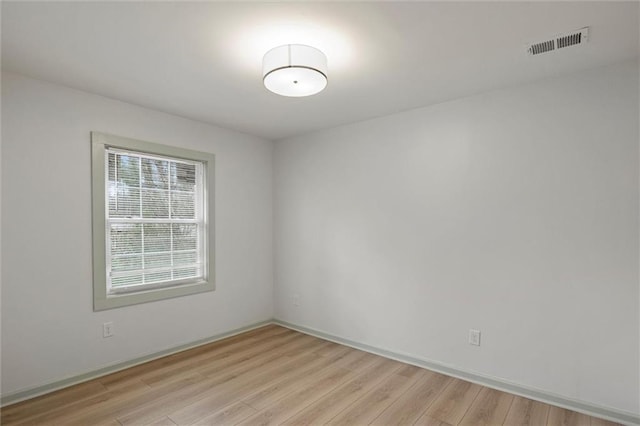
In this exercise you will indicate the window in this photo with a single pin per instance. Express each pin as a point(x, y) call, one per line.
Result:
point(152, 227)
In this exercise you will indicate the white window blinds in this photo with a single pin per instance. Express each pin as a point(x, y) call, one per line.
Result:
point(155, 223)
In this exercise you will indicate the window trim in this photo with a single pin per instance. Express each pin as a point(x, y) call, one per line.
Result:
point(101, 299)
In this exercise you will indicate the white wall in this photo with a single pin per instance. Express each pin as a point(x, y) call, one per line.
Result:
point(514, 212)
point(49, 330)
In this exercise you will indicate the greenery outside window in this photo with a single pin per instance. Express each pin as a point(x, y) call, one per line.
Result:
point(152, 221)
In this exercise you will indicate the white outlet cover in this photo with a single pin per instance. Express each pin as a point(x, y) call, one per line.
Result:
point(474, 337)
point(107, 329)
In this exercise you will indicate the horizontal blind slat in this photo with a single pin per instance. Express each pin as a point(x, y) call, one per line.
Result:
point(116, 274)
point(150, 220)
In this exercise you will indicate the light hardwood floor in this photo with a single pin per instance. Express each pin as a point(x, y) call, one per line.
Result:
point(273, 375)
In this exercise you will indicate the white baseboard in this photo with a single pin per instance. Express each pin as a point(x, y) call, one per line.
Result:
point(612, 414)
point(29, 393)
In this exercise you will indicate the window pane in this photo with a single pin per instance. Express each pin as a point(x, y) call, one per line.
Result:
point(124, 201)
point(126, 263)
point(155, 203)
point(186, 273)
point(183, 177)
point(112, 190)
point(157, 237)
point(185, 236)
point(157, 260)
point(157, 277)
point(128, 170)
point(126, 238)
point(155, 173)
point(111, 166)
point(124, 181)
point(126, 280)
point(183, 205)
point(185, 258)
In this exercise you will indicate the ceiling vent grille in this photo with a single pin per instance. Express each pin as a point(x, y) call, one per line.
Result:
point(559, 42)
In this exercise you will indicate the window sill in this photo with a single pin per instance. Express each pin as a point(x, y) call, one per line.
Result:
point(111, 301)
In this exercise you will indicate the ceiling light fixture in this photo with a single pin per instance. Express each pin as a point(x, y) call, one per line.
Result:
point(294, 70)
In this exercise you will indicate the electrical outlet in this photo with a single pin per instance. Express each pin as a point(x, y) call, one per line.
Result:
point(474, 337)
point(296, 300)
point(107, 329)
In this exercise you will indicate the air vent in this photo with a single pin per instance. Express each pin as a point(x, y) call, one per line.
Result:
point(559, 42)
point(543, 47)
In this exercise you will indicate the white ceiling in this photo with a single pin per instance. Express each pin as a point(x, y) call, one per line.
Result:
point(203, 60)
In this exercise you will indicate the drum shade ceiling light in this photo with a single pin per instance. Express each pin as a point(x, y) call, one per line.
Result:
point(294, 70)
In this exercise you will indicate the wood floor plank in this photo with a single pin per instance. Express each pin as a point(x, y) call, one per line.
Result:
point(291, 404)
point(329, 348)
point(357, 360)
point(231, 385)
point(124, 387)
point(218, 357)
point(325, 408)
point(165, 421)
point(111, 422)
point(526, 412)
point(290, 378)
point(142, 403)
point(191, 383)
point(52, 416)
point(229, 391)
point(430, 421)
point(183, 361)
point(268, 353)
point(42, 404)
point(563, 417)
point(453, 402)
point(80, 405)
point(118, 403)
point(170, 360)
point(412, 404)
point(410, 371)
point(489, 408)
point(371, 404)
point(229, 415)
point(218, 393)
point(295, 380)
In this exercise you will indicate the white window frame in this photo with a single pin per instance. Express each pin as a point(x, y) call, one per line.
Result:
point(103, 298)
